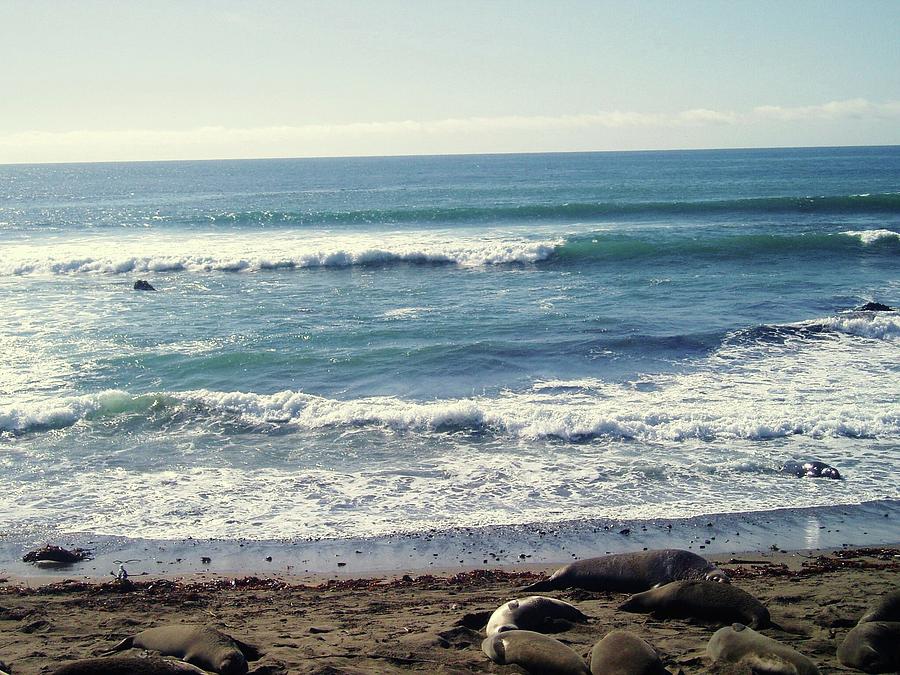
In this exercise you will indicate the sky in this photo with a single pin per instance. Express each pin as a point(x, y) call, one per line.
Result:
point(103, 81)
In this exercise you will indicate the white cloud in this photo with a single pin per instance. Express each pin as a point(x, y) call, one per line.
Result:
point(856, 108)
point(408, 136)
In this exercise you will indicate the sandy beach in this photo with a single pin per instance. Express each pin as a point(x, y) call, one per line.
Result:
point(424, 623)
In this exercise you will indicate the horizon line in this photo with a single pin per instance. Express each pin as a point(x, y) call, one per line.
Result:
point(449, 154)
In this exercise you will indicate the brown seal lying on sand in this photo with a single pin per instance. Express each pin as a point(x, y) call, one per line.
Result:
point(202, 646)
point(741, 645)
point(535, 652)
point(872, 647)
point(885, 608)
point(127, 665)
point(631, 572)
point(700, 600)
point(624, 653)
point(537, 613)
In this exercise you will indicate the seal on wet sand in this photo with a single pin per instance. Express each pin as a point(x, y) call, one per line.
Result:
point(624, 653)
point(127, 665)
point(872, 647)
point(631, 572)
point(202, 646)
point(535, 613)
point(741, 645)
point(885, 608)
point(700, 600)
point(535, 652)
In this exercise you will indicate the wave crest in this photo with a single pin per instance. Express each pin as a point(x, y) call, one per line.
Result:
point(500, 253)
point(608, 411)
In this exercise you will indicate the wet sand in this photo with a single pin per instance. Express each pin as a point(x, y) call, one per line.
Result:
point(415, 623)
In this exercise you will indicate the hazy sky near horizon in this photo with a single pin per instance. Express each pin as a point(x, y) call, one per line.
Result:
point(93, 81)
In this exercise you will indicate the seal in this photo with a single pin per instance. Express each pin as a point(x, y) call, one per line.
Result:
point(201, 646)
point(127, 665)
point(811, 469)
point(535, 652)
point(738, 644)
point(700, 600)
point(885, 608)
point(535, 613)
point(624, 653)
point(872, 647)
point(631, 572)
point(143, 285)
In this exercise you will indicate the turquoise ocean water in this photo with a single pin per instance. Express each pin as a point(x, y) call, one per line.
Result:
point(354, 347)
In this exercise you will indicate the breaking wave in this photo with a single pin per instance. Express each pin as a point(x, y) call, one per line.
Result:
point(295, 254)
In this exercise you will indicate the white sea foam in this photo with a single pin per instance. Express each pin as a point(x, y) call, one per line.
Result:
point(879, 326)
point(704, 406)
point(243, 253)
point(871, 236)
point(747, 407)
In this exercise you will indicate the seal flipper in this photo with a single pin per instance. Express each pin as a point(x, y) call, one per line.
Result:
point(250, 652)
point(127, 643)
point(545, 585)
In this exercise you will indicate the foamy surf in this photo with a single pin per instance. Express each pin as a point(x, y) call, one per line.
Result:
point(354, 347)
point(872, 236)
point(733, 394)
point(275, 252)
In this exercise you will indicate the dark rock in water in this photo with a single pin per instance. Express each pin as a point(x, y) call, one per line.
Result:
point(875, 307)
point(56, 554)
point(811, 470)
point(141, 285)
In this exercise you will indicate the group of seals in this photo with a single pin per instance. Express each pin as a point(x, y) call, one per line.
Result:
point(619, 653)
point(631, 572)
point(201, 648)
point(873, 646)
point(673, 582)
point(738, 644)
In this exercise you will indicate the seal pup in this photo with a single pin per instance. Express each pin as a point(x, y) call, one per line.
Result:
point(631, 572)
point(202, 646)
point(700, 600)
point(127, 665)
point(885, 608)
point(872, 647)
point(535, 613)
point(741, 645)
point(624, 653)
point(811, 469)
point(535, 652)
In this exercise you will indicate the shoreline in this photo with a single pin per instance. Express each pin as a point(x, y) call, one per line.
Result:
point(430, 622)
point(516, 547)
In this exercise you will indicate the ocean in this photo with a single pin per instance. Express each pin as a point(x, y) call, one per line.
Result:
point(359, 348)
